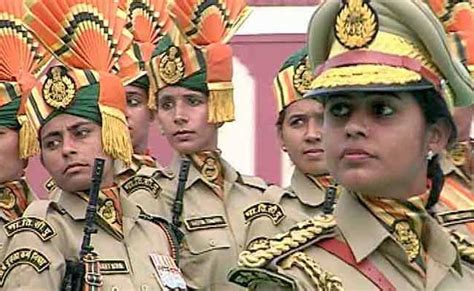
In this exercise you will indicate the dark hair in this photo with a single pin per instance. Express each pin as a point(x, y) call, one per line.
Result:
point(280, 119)
point(434, 109)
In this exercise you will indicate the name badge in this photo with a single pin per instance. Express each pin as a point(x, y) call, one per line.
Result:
point(216, 221)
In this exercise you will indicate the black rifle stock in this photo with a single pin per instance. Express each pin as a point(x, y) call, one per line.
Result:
point(178, 201)
point(75, 271)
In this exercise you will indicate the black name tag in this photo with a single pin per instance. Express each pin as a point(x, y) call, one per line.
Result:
point(216, 221)
point(110, 267)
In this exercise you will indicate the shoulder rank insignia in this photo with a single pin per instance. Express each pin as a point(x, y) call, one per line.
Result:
point(245, 276)
point(22, 256)
point(299, 236)
point(140, 182)
point(38, 226)
point(272, 210)
point(356, 24)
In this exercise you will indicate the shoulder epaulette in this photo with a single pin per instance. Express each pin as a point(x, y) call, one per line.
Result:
point(282, 245)
point(253, 181)
point(259, 261)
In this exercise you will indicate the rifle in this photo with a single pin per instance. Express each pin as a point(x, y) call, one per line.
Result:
point(76, 270)
point(178, 201)
point(178, 204)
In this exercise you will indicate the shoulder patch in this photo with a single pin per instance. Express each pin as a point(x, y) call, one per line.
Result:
point(455, 217)
point(31, 257)
point(38, 226)
point(246, 276)
point(300, 236)
point(253, 181)
point(272, 210)
point(142, 182)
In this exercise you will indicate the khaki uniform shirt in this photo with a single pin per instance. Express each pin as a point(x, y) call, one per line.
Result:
point(30, 197)
point(51, 233)
point(303, 199)
point(455, 209)
point(305, 265)
point(215, 230)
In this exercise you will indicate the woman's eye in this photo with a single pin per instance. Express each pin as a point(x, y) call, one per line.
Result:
point(52, 144)
point(166, 104)
point(382, 110)
point(296, 122)
point(83, 132)
point(194, 101)
point(133, 102)
point(339, 109)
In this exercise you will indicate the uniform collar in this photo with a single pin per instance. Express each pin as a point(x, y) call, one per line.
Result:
point(356, 224)
point(230, 174)
point(76, 207)
point(306, 190)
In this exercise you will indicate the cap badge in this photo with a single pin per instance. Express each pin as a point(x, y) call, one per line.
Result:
point(171, 66)
point(303, 77)
point(59, 89)
point(356, 24)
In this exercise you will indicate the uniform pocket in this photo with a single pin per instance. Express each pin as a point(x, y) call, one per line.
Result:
point(205, 240)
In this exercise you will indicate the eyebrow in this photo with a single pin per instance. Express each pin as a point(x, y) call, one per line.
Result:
point(73, 127)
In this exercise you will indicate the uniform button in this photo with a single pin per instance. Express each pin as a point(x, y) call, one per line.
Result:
point(114, 288)
point(212, 243)
point(144, 288)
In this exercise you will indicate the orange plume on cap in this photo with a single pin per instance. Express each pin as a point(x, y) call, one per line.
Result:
point(22, 58)
point(458, 20)
point(209, 25)
point(87, 35)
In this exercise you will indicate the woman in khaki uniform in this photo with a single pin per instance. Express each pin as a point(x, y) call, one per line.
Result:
point(18, 62)
point(78, 115)
point(385, 76)
point(456, 207)
point(191, 79)
point(299, 128)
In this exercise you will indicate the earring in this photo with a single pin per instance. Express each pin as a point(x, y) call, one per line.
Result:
point(430, 155)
